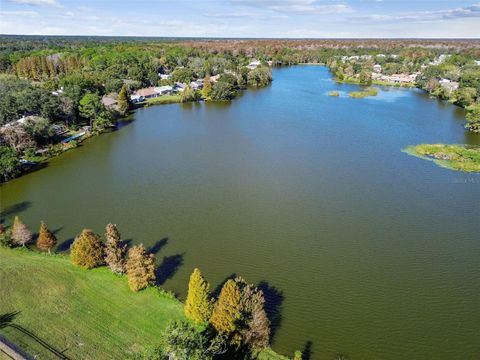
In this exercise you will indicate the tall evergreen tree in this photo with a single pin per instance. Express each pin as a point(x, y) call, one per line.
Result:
point(46, 239)
point(198, 306)
point(114, 250)
point(207, 88)
point(21, 234)
point(87, 250)
point(140, 268)
point(123, 100)
point(226, 311)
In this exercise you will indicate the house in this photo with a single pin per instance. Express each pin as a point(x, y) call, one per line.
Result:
point(448, 85)
point(110, 101)
point(147, 93)
point(136, 98)
point(477, 62)
point(164, 76)
point(254, 64)
point(163, 90)
point(399, 78)
point(377, 68)
point(179, 87)
point(197, 85)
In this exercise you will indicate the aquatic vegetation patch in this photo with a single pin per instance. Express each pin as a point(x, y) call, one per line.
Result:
point(456, 157)
point(362, 94)
point(334, 93)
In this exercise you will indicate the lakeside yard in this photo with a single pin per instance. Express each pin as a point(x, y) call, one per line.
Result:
point(86, 314)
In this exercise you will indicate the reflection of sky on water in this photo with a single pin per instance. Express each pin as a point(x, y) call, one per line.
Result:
point(384, 93)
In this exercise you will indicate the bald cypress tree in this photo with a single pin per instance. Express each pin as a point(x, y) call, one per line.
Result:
point(87, 250)
point(114, 250)
point(198, 306)
point(123, 100)
point(46, 239)
point(226, 311)
point(21, 234)
point(140, 268)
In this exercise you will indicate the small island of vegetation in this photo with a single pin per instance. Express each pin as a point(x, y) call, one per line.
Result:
point(334, 93)
point(456, 157)
point(362, 94)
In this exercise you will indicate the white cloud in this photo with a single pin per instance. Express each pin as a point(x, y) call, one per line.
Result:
point(472, 11)
point(296, 6)
point(37, 2)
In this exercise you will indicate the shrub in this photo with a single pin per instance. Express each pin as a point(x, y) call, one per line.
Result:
point(226, 311)
point(87, 250)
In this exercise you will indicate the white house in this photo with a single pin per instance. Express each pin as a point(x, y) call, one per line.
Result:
point(254, 64)
point(377, 68)
point(179, 87)
point(162, 90)
point(136, 98)
point(164, 76)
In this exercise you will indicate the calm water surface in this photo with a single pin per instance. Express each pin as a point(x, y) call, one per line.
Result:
point(361, 249)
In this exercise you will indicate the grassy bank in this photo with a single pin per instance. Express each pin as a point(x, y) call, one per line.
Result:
point(352, 80)
point(363, 94)
point(86, 314)
point(90, 314)
point(456, 157)
point(164, 99)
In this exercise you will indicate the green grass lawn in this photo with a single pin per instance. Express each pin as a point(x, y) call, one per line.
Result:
point(164, 99)
point(86, 314)
point(455, 157)
point(91, 314)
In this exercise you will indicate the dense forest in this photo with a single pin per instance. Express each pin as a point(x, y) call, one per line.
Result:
point(57, 88)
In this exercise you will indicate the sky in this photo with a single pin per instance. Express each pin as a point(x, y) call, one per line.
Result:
point(244, 18)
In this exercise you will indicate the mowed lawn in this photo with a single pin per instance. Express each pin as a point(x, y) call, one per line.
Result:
point(88, 314)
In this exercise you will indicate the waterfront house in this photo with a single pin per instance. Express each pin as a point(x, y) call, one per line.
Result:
point(164, 90)
point(179, 87)
point(448, 85)
point(196, 85)
point(214, 78)
point(136, 98)
point(377, 68)
point(147, 93)
point(399, 78)
point(110, 101)
point(254, 64)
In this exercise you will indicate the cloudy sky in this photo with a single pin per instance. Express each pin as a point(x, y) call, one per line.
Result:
point(243, 18)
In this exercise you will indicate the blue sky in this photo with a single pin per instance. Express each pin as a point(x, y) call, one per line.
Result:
point(243, 18)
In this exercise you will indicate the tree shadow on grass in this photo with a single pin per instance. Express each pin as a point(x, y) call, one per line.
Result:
point(13, 210)
point(273, 305)
point(6, 320)
point(157, 246)
point(168, 267)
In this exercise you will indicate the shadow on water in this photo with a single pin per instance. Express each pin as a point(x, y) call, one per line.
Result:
point(127, 243)
point(307, 351)
point(273, 305)
point(7, 320)
point(168, 267)
point(13, 210)
point(216, 291)
point(157, 246)
point(65, 246)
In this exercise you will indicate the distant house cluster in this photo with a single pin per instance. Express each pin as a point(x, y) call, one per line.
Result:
point(395, 78)
point(156, 91)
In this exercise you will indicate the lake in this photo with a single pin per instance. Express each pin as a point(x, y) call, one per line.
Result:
point(361, 249)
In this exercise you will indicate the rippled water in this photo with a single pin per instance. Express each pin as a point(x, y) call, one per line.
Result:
point(361, 249)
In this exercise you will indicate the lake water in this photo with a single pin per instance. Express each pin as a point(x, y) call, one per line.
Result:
point(361, 249)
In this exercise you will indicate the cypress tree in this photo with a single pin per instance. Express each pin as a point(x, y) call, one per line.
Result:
point(21, 235)
point(46, 239)
point(140, 268)
point(87, 250)
point(123, 100)
point(207, 88)
point(114, 250)
point(226, 311)
point(198, 306)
